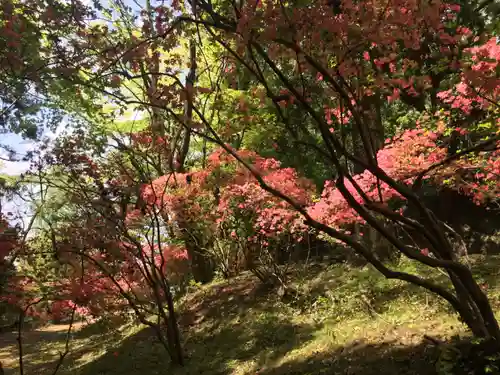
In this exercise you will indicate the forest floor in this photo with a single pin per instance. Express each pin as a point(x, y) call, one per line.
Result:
point(347, 321)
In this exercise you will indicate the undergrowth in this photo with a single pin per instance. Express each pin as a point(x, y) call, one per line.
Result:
point(339, 320)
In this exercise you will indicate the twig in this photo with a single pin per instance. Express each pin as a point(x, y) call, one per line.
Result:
point(68, 333)
point(20, 333)
point(66, 345)
point(434, 340)
point(479, 147)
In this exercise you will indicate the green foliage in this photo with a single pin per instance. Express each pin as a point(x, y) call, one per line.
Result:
point(30, 87)
point(469, 357)
point(137, 76)
point(399, 117)
point(234, 326)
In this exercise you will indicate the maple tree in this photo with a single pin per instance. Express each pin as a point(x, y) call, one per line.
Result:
point(96, 258)
point(32, 40)
point(272, 96)
point(361, 53)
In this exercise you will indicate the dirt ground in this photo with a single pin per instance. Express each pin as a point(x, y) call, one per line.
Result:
point(32, 340)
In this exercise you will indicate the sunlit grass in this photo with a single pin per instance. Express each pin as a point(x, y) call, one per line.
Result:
point(343, 319)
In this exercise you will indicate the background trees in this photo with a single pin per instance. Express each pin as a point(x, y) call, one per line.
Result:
point(257, 130)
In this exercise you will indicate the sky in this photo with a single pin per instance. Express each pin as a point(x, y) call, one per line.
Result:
point(13, 168)
point(22, 146)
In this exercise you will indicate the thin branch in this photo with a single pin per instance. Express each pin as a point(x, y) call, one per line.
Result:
point(480, 147)
point(22, 314)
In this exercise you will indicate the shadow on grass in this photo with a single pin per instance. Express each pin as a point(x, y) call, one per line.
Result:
point(386, 358)
point(237, 327)
point(487, 269)
point(350, 288)
point(265, 344)
point(42, 348)
point(218, 355)
point(32, 342)
point(208, 350)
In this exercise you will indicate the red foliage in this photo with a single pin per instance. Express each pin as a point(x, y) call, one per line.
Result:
point(146, 139)
point(8, 239)
point(479, 85)
point(240, 194)
point(404, 159)
point(93, 292)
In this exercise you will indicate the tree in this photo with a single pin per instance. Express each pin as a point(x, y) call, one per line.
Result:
point(349, 77)
point(334, 78)
point(32, 35)
point(360, 51)
point(243, 227)
point(97, 257)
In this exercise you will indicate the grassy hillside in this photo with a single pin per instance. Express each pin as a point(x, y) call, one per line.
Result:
point(346, 320)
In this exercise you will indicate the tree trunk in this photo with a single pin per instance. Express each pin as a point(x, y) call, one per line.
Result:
point(202, 267)
point(188, 105)
point(373, 134)
point(173, 331)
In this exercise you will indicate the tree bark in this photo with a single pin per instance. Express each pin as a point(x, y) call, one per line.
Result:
point(188, 105)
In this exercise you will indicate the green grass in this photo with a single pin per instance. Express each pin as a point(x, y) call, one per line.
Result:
point(345, 320)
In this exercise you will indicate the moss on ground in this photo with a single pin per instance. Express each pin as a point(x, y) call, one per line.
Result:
point(344, 320)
